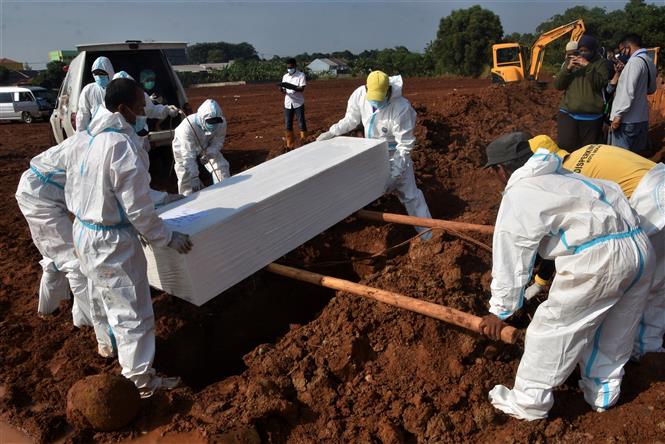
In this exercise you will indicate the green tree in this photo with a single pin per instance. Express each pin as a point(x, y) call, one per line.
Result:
point(647, 20)
point(220, 52)
point(464, 41)
point(4, 74)
point(52, 77)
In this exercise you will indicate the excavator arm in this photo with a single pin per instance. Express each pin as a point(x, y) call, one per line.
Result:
point(576, 29)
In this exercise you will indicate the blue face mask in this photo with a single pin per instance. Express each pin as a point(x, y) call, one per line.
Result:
point(378, 104)
point(148, 85)
point(141, 125)
point(291, 70)
point(101, 80)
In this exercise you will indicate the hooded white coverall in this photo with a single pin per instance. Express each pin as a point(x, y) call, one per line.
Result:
point(193, 141)
point(113, 205)
point(604, 267)
point(395, 124)
point(41, 198)
point(92, 95)
point(648, 200)
point(152, 110)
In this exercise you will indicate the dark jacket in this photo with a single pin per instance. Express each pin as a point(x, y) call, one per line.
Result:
point(584, 87)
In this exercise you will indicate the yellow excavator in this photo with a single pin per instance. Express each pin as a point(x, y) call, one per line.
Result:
point(510, 59)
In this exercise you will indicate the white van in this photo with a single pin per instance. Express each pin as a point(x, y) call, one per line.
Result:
point(25, 103)
point(132, 56)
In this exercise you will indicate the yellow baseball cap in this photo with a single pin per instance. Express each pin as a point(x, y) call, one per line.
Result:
point(377, 86)
point(544, 141)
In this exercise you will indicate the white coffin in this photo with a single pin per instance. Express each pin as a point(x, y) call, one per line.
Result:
point(251, 219)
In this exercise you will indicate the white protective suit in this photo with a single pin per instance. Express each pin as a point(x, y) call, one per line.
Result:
point(604, 265)
point(113, 205)
point(92, 95)
point(41, 198)
point(152, 110)
point(648, 200)
point(395, 124)
point(193, 141)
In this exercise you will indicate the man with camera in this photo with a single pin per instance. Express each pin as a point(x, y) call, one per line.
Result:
point(583, 78)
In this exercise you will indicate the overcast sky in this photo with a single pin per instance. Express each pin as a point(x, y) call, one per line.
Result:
point(30, 29)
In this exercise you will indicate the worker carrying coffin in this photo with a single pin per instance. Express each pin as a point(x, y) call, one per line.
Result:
point(605, 264)
point(385, 114)
point(643, 183)
point(200, 136)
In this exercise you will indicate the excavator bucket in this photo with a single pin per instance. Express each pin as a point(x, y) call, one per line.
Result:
point(657, 102)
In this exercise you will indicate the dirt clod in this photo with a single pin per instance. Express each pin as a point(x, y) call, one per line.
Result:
point(102, 402)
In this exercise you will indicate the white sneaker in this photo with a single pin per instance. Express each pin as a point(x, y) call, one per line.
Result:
point(157, 383)
point(106, 351)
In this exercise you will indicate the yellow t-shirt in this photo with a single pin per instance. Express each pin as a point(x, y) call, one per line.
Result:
point(609, 163)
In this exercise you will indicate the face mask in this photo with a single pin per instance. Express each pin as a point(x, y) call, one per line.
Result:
point(378, 104)
point(291, 70)
point(101, 80)
point(148, 85)
point(588, 55)
point(141, 125)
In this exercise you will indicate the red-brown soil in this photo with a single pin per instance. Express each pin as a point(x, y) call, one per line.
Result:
point(273, 360)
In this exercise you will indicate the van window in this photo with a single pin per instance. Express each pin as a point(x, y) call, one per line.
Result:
point(6, 97)
point(25, 97)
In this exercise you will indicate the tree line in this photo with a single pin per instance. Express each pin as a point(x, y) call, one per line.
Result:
point(462, 46)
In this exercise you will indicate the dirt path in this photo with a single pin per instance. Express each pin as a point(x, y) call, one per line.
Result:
point(276, 361)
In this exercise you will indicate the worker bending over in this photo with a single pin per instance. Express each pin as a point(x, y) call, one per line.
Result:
point(113, 207)
point(605, 264)
point(200, 136)
point(92, 95)
point(387, 115)
point(643, 183)
point(41, 198)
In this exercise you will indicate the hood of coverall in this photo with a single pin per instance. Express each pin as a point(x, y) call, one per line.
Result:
point(396, 83)
point(207, 110)
point(122, 75)
point(546, 142)
point(104, 120)
point(541, 163)
point(104, 64)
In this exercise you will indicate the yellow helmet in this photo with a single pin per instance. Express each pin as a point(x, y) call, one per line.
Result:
point(377, 86)
point(543, 141)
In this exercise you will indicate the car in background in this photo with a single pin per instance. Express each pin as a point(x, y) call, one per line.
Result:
point(132, 56)
point(25, 103)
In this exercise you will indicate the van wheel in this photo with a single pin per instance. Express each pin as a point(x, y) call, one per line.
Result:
point(26, 117)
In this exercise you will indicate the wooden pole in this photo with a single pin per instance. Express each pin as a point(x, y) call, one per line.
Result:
point(423, 222)
point(440, 312)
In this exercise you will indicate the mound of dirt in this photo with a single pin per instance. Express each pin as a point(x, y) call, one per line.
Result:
point(102, 402)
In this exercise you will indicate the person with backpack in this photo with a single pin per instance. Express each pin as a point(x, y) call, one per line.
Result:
point(629, 117)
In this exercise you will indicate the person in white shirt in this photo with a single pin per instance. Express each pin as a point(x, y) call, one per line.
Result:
point(292, 86)
point(630, 110)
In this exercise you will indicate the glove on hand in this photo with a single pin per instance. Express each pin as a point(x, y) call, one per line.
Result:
point(172, 198)
point(533, 291)
point(180, 242)
point(325, 136)
point(196, 185)
point(398, 165)
point(173, 111)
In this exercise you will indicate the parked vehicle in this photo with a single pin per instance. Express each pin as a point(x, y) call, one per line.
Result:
point(131, 56)
point(25, 103)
